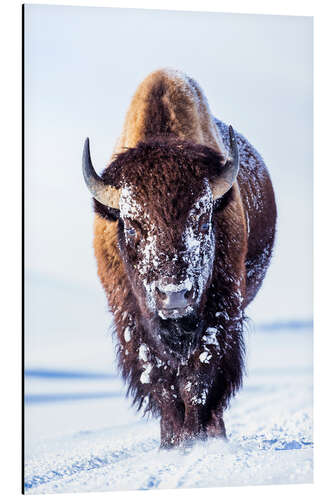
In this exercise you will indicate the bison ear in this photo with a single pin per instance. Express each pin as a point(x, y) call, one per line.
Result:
point(104, 193)
point(221, 185)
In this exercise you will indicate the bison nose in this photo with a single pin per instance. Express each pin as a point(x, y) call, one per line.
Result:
point(174, 300)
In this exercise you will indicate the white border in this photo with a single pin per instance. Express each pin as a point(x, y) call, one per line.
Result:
point(10, 260)
point(283, 7)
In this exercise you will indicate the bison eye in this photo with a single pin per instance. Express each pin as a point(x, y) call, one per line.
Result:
point(131, 231)
point(204, 226)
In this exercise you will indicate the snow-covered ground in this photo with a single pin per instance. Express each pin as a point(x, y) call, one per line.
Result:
point(82, 434)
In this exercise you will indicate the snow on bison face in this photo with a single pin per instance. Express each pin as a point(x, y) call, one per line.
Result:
point(169, 261)
point(162, 193)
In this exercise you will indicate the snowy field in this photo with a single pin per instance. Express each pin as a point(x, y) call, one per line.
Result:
point(82, 434)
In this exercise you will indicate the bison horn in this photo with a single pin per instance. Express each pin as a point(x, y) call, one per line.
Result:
point(230, 170)
point(102, 192)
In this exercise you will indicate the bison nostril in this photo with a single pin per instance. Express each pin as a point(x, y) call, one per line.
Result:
point(187, 294)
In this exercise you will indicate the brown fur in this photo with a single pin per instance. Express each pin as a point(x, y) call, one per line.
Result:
point(167, 102)
point(169, 144)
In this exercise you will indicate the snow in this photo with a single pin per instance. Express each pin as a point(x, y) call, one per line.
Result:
point(205, 357)
point(127, 334)
point(200, 246)
point(92, 440)
point(210, 337)
point(143, 352)
point(171, 287)
point(145, 379)
point(129, 208)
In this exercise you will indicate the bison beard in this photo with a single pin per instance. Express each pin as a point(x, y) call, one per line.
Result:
point(181, 336)
point(184, 369)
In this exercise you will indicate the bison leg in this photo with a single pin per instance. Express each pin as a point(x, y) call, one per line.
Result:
point(216, 427)
point(197, 423)
point(194, 424)
point(190, 417)
point(202, 423)
point(201, 420)
point(172, 421)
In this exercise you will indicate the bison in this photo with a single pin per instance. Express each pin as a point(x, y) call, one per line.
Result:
point(183, 235)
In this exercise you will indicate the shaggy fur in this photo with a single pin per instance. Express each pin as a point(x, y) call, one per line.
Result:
point(170, 144)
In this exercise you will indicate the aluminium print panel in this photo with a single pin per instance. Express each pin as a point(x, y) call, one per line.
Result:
point(168, 249)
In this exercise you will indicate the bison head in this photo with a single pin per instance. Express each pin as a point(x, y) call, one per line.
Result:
point(163, 193)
